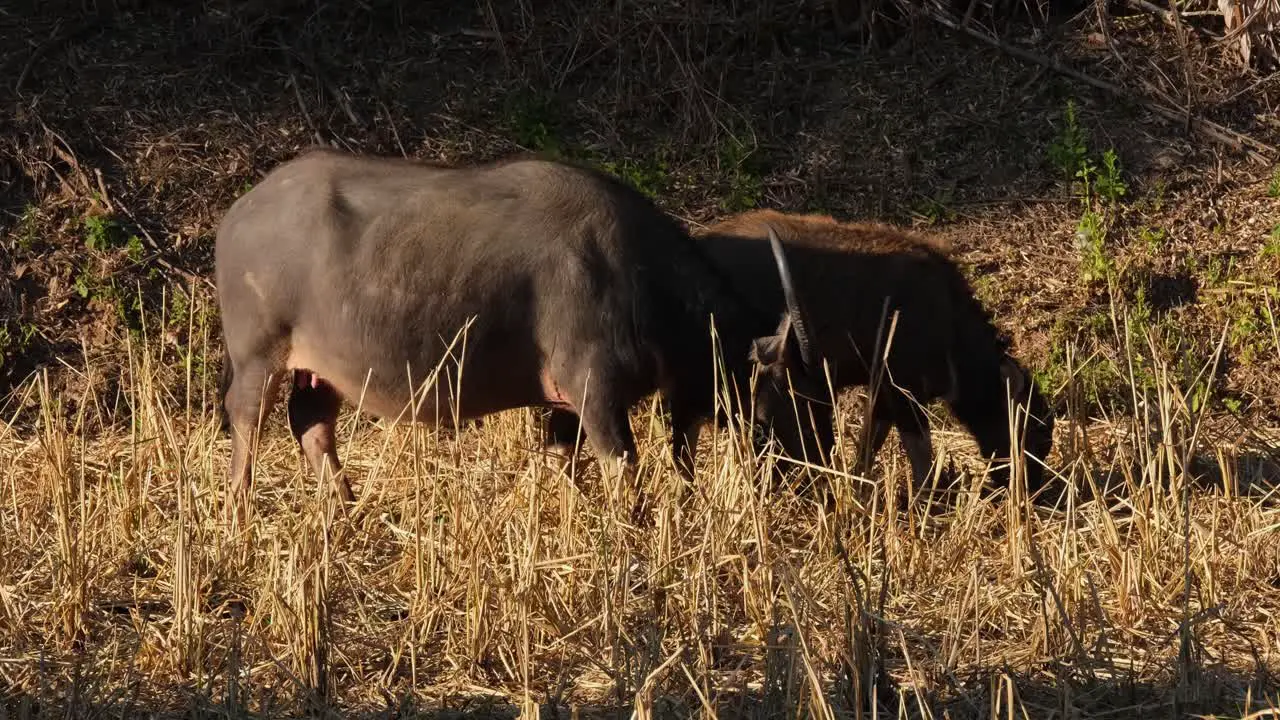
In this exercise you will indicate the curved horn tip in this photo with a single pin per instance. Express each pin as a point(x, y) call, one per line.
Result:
point(774, 241)
point(798, 323)
point(780, 256)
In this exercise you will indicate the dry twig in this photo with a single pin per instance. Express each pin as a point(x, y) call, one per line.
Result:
point(1255, 149)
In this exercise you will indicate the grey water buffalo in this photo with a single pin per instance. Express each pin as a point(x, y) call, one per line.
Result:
point(853, 278)
point(354, 275)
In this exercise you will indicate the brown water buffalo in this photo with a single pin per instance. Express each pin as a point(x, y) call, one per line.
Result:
point(854, 277)
point(356, 274)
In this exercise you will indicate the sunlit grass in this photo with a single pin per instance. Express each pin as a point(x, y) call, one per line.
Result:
point(471, 568)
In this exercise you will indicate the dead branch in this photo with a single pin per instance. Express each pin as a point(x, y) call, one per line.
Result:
point(1169, 18)
point(1254, 148)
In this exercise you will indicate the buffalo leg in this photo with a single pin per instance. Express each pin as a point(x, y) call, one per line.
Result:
point(609, 427)
point(604, 419)
point(893, 409)
point(313, 415)
point(917, 441)
point(610, 430)
point(686, 425)
point(873, 436)
point(249, 399)
point(563, 434)
point(602, 414)
point(913, 432)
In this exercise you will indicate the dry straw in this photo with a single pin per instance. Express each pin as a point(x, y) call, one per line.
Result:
point(471, 571)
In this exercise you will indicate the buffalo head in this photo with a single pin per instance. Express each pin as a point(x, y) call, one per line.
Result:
point(793, 399)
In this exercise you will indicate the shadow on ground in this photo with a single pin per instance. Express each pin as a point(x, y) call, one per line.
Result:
point(1094, 689)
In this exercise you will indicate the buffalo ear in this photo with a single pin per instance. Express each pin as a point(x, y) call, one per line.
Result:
point(765, 350)
point(777, 348)
point(1013, 374)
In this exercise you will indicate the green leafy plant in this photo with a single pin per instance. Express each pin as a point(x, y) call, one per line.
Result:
point(24, 233)
point(1152, 237)
point(531, 119)
point(179, 308)
point(15, 343)
point(1157, 195)
point(649, 177)
point(1271, 246)
point(743, 185)
point(128, 308)
point(1069, 151)
point(935, 209)
point(1216, 271)
point(1091, 238)
point(134, 248)
point(101, 232)
point(85, 283)
point(1109, 183)
point(1250, 332)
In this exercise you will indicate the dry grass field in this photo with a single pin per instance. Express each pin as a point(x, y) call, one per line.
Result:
point(472, 578)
